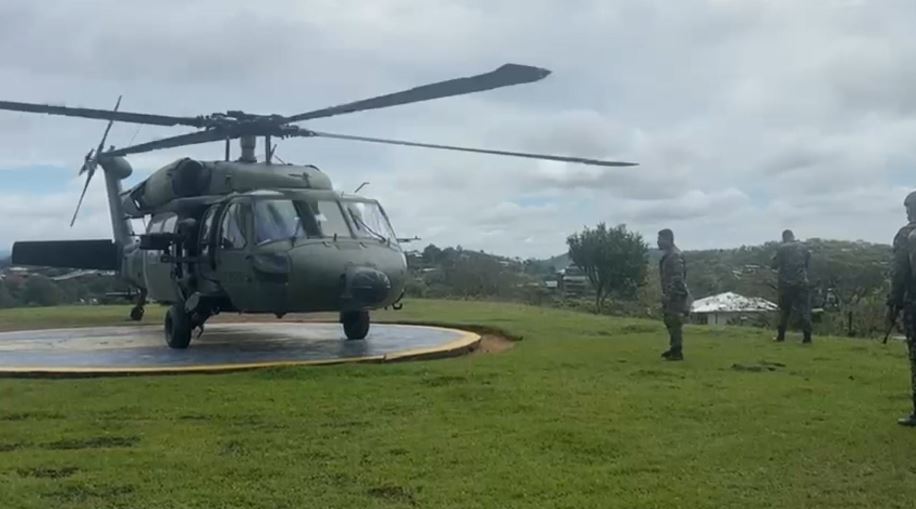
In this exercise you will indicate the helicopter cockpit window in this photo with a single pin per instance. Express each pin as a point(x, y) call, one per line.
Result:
point(368, 220)
point(232, 228)
point(205, 228)
point(329, 219)
point(276, 220)
point(162, 223)
point(168, 226)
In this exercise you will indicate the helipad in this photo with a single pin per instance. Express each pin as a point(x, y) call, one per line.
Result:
point(223, 347)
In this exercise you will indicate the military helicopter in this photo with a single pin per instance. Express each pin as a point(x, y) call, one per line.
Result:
point(245, 235)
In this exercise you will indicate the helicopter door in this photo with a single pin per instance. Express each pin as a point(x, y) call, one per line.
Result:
point(233, 256)
point(159, 281)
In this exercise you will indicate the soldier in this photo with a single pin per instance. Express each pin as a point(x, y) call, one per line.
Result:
point(791, 261)
point(675, 295)
point(903, 292)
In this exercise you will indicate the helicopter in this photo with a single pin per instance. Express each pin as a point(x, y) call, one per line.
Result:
point(245, 235)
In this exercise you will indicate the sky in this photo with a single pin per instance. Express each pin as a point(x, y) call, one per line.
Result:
point(745, 116)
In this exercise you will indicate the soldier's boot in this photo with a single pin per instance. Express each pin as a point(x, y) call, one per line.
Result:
point(674, 355)
point(780, 335)
point(807, 337)
point(908, 421)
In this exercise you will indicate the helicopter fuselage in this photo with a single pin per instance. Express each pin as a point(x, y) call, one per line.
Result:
point(260, 238)
point(273, 251)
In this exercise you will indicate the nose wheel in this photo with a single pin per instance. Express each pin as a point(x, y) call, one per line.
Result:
point(355, 324)
point(177, 327)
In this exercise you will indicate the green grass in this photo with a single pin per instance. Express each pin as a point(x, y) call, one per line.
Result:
point(582, 413)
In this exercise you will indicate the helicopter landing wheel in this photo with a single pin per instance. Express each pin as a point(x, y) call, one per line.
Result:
point(136, 313)
point(355, 324)
point(177, 327)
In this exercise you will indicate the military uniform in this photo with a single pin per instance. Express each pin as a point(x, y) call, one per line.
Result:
point(903, 293)
point(675, 297)
point(791, 261)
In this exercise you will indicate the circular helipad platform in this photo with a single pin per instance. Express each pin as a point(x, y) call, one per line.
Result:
point(223, 347)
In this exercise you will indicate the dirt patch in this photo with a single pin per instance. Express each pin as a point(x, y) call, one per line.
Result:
point(491, 343)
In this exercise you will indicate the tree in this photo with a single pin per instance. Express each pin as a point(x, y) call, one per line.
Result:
point(6, 298)
point(41, 291)
point(432, 255)
point(614, 260)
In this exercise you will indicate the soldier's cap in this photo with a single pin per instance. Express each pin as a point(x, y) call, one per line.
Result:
point(666, 234)
point(910, 200)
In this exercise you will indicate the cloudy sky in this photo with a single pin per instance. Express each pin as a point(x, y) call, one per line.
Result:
point(746, 116)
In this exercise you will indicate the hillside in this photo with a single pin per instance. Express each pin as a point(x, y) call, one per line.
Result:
point(848, 267)
point(580, 413)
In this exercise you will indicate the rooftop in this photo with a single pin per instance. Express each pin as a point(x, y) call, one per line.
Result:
point(730, 302)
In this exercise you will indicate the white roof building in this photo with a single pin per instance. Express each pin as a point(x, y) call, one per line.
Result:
point(729, 307)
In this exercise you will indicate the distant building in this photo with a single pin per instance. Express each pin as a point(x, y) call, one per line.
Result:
point(573, 282)
point(731, 308)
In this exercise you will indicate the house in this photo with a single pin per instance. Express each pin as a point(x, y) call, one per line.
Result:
point(731, 308)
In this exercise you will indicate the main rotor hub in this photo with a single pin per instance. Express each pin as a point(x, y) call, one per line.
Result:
point(248, 143)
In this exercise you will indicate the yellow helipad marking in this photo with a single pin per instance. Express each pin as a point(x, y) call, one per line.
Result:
point(467, 341)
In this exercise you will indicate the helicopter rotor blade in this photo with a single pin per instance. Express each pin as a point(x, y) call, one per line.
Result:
point(108, 128)
point(174, 141)
point(82, 195)
point(549, 157)
point(91, 163)
point(504, 76)
point(120, 116)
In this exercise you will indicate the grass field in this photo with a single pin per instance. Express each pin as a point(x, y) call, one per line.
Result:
point(581, 413)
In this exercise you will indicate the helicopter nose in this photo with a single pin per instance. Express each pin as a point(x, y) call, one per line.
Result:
point(367, 287)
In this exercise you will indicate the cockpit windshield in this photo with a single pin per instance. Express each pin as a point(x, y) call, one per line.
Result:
point(280, 219)
point(276, 220)
point(369, 220)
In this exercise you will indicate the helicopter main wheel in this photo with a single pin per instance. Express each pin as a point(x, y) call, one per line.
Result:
point(177, 327)
point(355, 324)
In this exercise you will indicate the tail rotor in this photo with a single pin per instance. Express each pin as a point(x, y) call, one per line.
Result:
point(91, 163)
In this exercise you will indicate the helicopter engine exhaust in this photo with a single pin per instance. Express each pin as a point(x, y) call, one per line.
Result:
point(183, 178)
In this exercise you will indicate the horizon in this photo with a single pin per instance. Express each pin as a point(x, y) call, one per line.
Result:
point(746, 117)
point(6, 253)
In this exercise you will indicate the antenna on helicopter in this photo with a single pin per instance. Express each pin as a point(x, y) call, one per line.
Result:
point(364, 184)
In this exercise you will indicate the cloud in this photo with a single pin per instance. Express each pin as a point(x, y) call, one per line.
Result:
point(746, 117)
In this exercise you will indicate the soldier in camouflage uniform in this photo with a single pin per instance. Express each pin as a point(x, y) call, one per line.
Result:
point(791, 261)
point(675, 295)
point(903, 291)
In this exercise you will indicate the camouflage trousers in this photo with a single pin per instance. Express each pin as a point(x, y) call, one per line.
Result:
point(673, 314)
point(675, 324)
point(909, 326)
point(798, 299)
